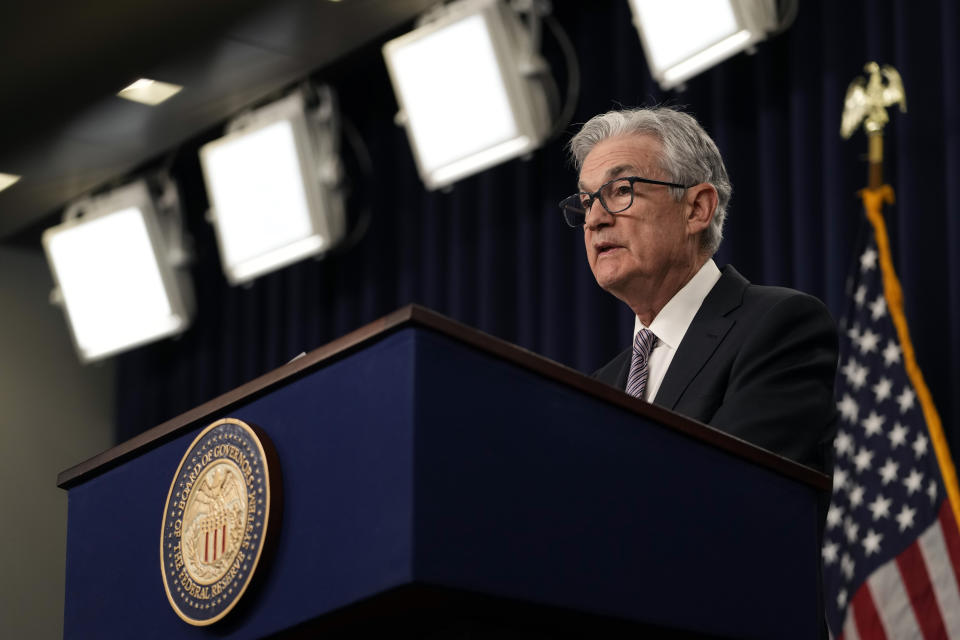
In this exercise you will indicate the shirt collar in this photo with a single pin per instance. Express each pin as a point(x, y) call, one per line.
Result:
point(672, 322)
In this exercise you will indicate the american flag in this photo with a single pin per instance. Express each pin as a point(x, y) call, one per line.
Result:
point(891, 550)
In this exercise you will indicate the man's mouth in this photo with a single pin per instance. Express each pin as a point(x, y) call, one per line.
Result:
point(605, 247)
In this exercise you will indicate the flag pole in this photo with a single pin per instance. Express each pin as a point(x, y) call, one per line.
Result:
point(866, 102)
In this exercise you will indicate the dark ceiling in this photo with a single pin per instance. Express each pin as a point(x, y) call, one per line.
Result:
point(62, 127)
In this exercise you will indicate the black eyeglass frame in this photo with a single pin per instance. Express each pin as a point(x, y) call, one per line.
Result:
point(595, 196)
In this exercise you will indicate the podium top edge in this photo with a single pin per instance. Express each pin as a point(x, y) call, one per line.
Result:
point(419, 316)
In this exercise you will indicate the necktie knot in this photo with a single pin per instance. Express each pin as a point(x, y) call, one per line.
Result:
point(639, 367)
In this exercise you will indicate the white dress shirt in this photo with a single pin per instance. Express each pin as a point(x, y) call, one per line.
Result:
point(672, 322)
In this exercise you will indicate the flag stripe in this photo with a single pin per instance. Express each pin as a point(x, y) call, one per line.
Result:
point(850, 625)
point(893, 603)
point(916, 581)
point(942, 576)
point(865, 616)
point(951, 535)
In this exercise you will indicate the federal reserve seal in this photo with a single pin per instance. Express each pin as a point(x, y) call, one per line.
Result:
point(216, 520)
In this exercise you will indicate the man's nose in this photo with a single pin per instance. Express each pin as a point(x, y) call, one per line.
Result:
point(597, 215)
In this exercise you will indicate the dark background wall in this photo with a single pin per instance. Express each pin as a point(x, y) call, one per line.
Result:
point(494, 252)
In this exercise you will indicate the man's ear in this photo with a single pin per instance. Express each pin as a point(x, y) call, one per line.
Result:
point(702, 200)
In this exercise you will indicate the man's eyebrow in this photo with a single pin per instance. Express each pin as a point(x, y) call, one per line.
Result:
point(613, 172)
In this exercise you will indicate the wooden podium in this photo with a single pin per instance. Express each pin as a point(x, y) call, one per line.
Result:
point(437, 480)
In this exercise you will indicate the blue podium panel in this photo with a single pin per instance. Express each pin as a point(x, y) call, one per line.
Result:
point(344, 437)
point(530, 490)
point(421, 460)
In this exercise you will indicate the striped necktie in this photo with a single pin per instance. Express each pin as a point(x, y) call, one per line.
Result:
point(639, 371)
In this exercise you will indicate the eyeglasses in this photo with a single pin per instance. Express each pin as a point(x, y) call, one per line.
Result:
point(615, 196)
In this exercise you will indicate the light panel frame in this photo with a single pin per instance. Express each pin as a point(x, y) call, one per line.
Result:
point(525, 97)
point(321, 202)
point(97, 213)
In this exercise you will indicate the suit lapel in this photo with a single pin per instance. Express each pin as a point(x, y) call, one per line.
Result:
point(616, 371)
point(708, 329)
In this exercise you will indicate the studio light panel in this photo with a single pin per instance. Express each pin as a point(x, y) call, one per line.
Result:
point(463, 100)
point(678, 48)
point(116, 288)
point(267, 201)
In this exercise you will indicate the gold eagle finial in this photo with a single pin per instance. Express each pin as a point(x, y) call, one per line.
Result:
point(867, 100)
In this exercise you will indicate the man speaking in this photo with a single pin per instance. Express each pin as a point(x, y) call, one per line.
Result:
point(756, 362)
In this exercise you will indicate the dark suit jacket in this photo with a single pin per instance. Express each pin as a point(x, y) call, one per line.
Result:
point(757, 362)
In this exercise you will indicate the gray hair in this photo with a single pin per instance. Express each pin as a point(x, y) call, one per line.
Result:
point(689, 155)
